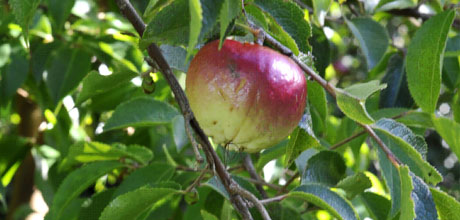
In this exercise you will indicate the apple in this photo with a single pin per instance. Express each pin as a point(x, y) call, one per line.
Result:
point(245, 96)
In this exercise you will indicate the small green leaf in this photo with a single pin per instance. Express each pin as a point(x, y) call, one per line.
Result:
point(386, 5)
point(208, 216)
point(14, 76)
point(424, 58)
point(397, 92)
point(99, 201)
point(351, 100)
point(301, 139)
point(132, 204)
point(291, 18)
point(372, 37)
point(176, 57)
point(377, 205)
point(230, 9)
point(446, 205)
point(151, 174)
point(24, 11)
point(354, 184)
point(96, 84)
point(317, 99)
point(270, 154)
point(417, 119)
point(166, 27)
point(408, 147)
point(77, 181)
point(407, 205)
point(450, 132)
point(320, 8)
point(142, 111)
point(60, 11)
point(322, 197)
point(326, 167)
point(68, 68)
point(196, 17)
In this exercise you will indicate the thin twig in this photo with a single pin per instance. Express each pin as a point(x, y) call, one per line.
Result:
point(247, 162)
point(393, 159)
point(346, 140)
point(274, 199)
point(197, 180)
point(212, 158)
point(249, 196)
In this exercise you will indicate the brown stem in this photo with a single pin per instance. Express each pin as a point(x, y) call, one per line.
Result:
point(212, 158)
point(274, 199)
point(346, 140)
point(249, 196)
point(249, 166)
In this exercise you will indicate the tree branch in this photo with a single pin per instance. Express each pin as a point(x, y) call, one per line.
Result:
point(249, 196)
point(212, 158)
point(249, 166)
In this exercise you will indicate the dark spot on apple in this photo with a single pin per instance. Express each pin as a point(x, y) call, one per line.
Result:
point(232, 67)
point(214, 122)
point(231, 109)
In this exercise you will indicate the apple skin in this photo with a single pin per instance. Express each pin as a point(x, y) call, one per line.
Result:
point(245, 96)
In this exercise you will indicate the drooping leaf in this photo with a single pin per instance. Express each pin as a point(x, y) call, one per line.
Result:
point(291, 19)
point(96, 84)
point(351, 100)
point(60, 11)
point(424, 205)
point(407, 205)
point(450, 132)
point(322, 197)
point(377, 205)
point(85, 152)
point(300, 139)
point(446, 205)
point(320, 8)
point(142, 111)
point(397, 92)
point(386, 5)
point(424, 58)
point(354, 184)
point(67, 69)
point(152, 174)
point(24, 11)
point(176, 57)
point(372, 37)
point(196, 17)
point(14, 76)
point(76, 182)
point(409, 148)
point(230, 9)
point(326, 167)
point(132, 204)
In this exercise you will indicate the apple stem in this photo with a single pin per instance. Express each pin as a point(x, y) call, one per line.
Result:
point(157, 58)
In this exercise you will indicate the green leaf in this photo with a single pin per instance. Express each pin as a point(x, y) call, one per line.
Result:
point(24, 11)
point(270, 154)
point(372, 37)
point(171, 25)
point(355, 184)
point(397, 93)
point(417, 119)
point(40, 57)
point(386, 5)
point(450, 132)
point(407, 205)
point(132, 204)
point(302, 159)
point(324, 198)
point(60, 11)
point(446, 205)
point(67, 69)
point(423, 200)
point(99, 201)
point(96, 84)
point(321, 50)
point(450, 72)
point(84, 152)
point(408, 147)
point(326, 167)
point(196, 17)
point(208, 216)
point(14, 76)
point(377, 205)
point(291, 19)
point(424, 58)
point(5, 51)
point(453, 47)
point(301, 139)
point(320, 8)
point(317, 99)
point(142, 111)
point(229, 11)
point(351, 100)
point(77, 181)
point(176, 57)
point(151, 174)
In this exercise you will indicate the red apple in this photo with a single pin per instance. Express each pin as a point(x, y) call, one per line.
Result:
point(246, 96)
